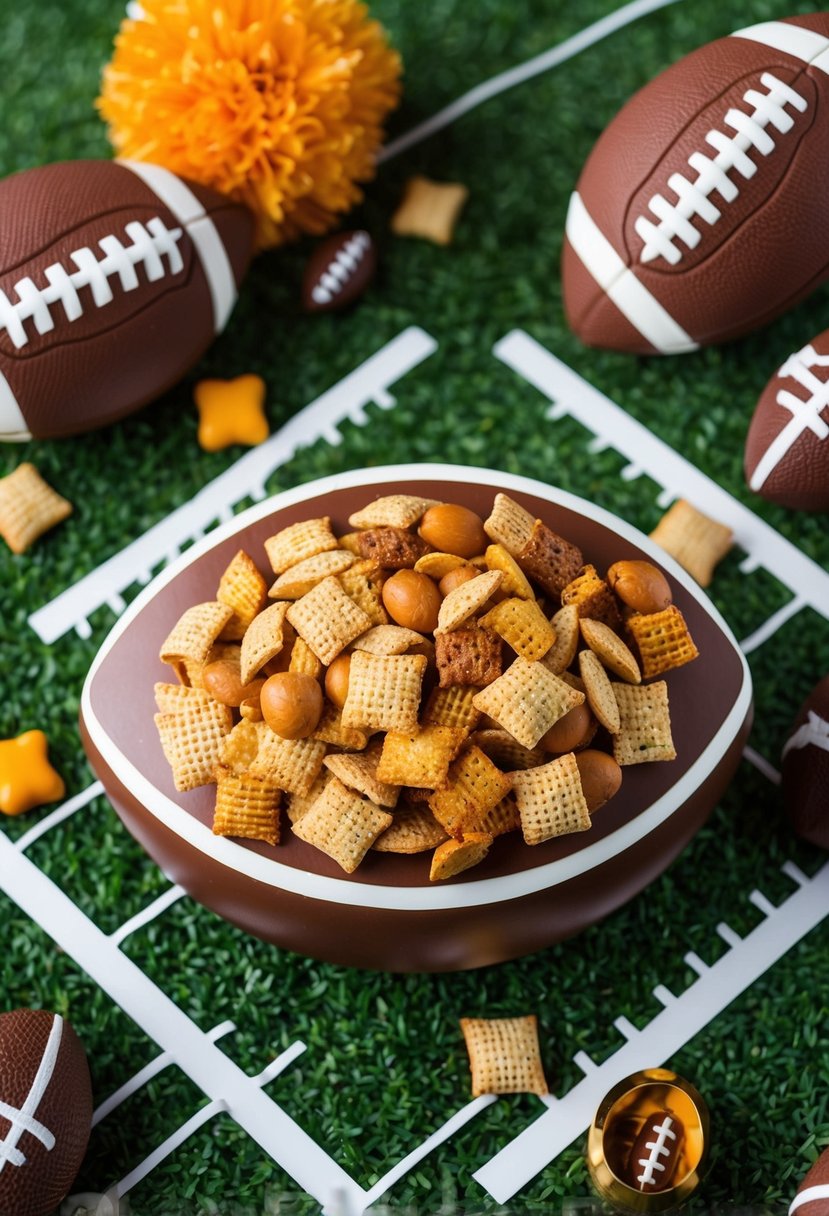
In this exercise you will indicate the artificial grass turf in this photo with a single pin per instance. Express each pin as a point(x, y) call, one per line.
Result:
point(385, 1062)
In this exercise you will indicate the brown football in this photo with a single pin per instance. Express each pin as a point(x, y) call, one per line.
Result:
point(703, 210)
point(45, 1111)
point(806, 768)
point(338, 271)
point(812, 1198)
point(114, 279)
point(656, 1153)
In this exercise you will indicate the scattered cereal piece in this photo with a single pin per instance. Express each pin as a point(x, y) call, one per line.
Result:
point(550, 800)
point(177, 698)
point(437, 564)
point(663, 640)
point(298, 541)
point(466, 599)
point(384, 691)
point(645, 724)
point(27, 779)
point(501, 818)
point(454, 856)
point(231, 411)
point(246, 806)
point(429, 209)
point(414, 829)
point(611, 650)
point(330, 729)
point(342, 824)
point(303, 660)
point(391, 511)
point(28, 507)
point(328, 619)
point(526, 700)
point(419, 758)
point(563, 650)
point(509, 524)
point(522, 625)
point(263, 640)
point(243, 589)
point(297, 804)
point(599, 690)
point(504, 1056)
point(696, 541)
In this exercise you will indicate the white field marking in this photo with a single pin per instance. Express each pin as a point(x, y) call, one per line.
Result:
point(762, 765)
point(770, 626)
point(522, 72)
point(23, 1120)
point(222, 1082)
point(656, 1043)
point(570, 394)
point(160, 904)
point(319, 420)
point(139, 1080)
point(57, 816)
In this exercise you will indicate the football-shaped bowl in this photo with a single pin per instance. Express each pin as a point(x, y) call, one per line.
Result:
point(387, 914)
point(703, 210)
point(805, 772)
point(114, 279)
point(812, 1198)
point(787, 447)
point(45, 1111)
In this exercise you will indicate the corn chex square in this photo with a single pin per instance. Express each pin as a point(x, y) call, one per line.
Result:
point(342, 824)
point(384, 691)
point(514, 581)
point(239, 747)
point(505, 750)
point(645, 724)
point(550, 800)
point(526, 700)
point(359, 771)
point(178, 698)
point(330, 729)
point(388, 639)
point(599, 691)
point(414, 829)
point(454, 856)
point(421, 757)
point(522, 625)
point(363, 583)
point(662, 639)
point(509, 524)
point(303, 661)
point(463, 601)
point(474, 785)
point(452, 706)
point(297, 580)
point(292, 764)
point(297, 804)
point(245, 591)
point(28, 507)
point(504, 1056)
point(192, 742)
point(246, 806)
point(298, 541)
point(429, 209)
point(264, 639)
point(194, 633)
point(393, 511)
point(328, 619)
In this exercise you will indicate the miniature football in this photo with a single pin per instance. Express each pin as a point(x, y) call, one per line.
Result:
point(114, 278)
point(806, 768)
point(787, 448)
point(812, 1198)
point(387, 913)
point(45, 1111)
point(339, 271)
point(703, 210)
point(656, 1153)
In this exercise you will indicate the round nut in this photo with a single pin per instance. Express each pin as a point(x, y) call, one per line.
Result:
point(461, 574)
point(600, 776)
point(223, 682)
point(454, 529)
point(412, 600)
point(336, 680)
point(291, 704)
point(640, 585)
point(574, 730)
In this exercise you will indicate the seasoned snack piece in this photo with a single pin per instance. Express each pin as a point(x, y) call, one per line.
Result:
point(299, 541)
point(297, 804)
point(563, 650)
point(328, 619)
point(466, 599)
point(192, 742)
point(412, 600)
point(439, 564)
point(592, 597)
point(331, 730)
point(504, 1057)
point(526, 700)
point(363, 583)
point(342, 824)
point(501, 818)
point(522, 625)
point(505, 750)
point(509, 524)
point(231, 411)
point(359, 772)
point(27, 779)
point(222, 680)
point(419, 758)
point(392, 511)
point(452, 706)
point(263, 640)
point(599, 690)
point(387, 639)
point(28, 507)
point(292, 764)
point(640, 585)
point(663, 640)
point(611, 650)
point(384, 691)
point(550, 800)
point(600, 777)
point(414, 829)
point(239, 748)
point(297, 580)
point(515, 581)
point(391, 548)
point(549, 559)
point(245, 591)
point(194, 633)
point(474, 785)
point(572, 732)
point(696, 541)
point(645, 724)
point(178, 698)
point(246, 806)
point(469, 656)
point(454, 529)
point(454, 856)
point(429, 209)
point(303, 661)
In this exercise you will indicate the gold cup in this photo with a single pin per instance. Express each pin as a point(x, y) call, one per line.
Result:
point(617, 1124)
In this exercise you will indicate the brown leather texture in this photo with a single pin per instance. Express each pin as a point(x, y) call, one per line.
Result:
point(805, 773)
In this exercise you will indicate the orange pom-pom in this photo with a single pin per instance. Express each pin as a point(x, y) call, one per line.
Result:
point(278, 103)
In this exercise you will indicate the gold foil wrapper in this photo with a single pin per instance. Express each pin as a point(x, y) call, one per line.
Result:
point(617, 1124)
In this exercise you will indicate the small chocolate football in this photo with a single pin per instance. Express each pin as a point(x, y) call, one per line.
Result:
point(787, 449)
point(656, 1152)
point(805, 780)
point(812, 1198)
point(45, 1111)
point(339, 271)
point(703, 210)
point(114, 279)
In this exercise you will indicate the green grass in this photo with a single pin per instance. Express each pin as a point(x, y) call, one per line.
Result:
point(385, 1061)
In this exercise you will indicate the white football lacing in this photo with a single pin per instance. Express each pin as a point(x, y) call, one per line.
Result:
point(23, 1119)
point(150, 244)
point(768, 109)
point(651, 1165)
point(806, 415)
point(814, 732)
point(340, 268)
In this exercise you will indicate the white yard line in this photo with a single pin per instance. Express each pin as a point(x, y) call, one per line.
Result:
point(57, 816)
point(522, 72)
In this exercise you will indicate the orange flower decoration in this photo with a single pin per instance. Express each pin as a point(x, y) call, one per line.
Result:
point(278, 103)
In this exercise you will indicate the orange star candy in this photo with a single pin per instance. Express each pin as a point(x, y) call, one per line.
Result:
point(231, 411)
point(27, 779)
